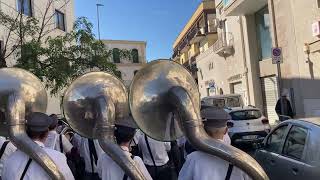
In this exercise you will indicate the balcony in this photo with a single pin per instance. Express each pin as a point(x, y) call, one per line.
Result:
point(197, 35)
point(242, 7)
point(224, 45)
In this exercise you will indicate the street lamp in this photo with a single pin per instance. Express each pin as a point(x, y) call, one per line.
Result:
point(99, 5)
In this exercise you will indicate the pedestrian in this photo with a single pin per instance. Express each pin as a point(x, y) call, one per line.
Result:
point(283, 107)
point(124, 134)
point(56, 141)
point(155, 157)
point(202, 166)
point(90, 150)
point(20, 166)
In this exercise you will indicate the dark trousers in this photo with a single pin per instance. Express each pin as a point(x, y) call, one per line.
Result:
point(91, 176)
point(165, 172)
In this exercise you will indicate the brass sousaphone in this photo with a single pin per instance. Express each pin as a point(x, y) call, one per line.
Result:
point(92, 104)
point(20, 94)
point(165, 103)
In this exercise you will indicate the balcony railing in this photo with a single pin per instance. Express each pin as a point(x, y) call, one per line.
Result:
point(224, 45)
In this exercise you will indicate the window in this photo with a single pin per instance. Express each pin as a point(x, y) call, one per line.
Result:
point(226, 2)
point(275, 140)
point(135, 72)
point(24, 7)
point(60, 23)
point(135, 55)
point(295, 142)
point(245, 115)
point(116, 55)
point(118, 74)
point(263, 33)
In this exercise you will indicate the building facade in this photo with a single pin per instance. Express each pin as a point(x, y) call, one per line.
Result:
point(196, 37)
point(240, 60)
point(130, 65)
point(59, 19)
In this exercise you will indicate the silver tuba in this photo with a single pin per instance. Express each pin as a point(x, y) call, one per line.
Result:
point(165, 103)
point(21, 93)
point(91, 105)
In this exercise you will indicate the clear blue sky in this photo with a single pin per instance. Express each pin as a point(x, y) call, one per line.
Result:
point(156, 21)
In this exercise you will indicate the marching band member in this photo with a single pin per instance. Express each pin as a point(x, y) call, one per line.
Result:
point(20, 166)
point(56, 141)
point(107, 168)
point(197, 163)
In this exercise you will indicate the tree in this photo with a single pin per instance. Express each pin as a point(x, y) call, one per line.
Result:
point(63, 58)
point(55, 60)
point(20, 29)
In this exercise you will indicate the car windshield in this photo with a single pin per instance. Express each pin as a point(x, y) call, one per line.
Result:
point(224, 102)
point(233, 102)
point(245, 115)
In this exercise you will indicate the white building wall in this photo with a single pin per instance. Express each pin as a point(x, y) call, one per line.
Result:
point(224, 71)
point(38, 8)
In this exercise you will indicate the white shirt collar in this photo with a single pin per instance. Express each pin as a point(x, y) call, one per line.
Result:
point(53, 131)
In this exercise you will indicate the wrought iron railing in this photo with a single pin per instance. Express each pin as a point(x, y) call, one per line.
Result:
point(225, 40)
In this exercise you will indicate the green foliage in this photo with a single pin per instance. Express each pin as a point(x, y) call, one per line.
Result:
point(59, 60)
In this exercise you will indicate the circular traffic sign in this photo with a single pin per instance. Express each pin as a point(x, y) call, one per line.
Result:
point(276, 52)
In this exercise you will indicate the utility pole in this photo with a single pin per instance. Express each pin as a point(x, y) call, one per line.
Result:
point(98, 17)
point(276, 45)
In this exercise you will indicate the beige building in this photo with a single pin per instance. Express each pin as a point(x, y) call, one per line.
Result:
point(130, 65)
point(196, 37)
point(60, 18)
point(240, 60)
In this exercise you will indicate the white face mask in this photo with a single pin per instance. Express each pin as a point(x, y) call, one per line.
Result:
point(226, 139)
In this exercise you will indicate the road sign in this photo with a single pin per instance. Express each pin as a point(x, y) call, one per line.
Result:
point(276, 55)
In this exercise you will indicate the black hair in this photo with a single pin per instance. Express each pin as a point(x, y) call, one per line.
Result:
point(124, 134)
point(36, 135)
point(53, 115)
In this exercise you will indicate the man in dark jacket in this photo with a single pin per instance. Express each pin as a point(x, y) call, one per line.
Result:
point(284, 108)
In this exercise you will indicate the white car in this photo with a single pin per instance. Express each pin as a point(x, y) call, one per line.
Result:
point(247, 125)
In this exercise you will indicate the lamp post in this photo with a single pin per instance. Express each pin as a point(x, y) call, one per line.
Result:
point(98, 16)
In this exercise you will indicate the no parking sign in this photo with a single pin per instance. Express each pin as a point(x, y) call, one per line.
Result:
point(276, 55)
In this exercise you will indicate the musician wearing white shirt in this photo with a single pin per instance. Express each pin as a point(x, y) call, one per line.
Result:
point(107, 168)
point(7, 148)
point(56, 141)
point(155, 157)
point(203, 166)
point(20, 166)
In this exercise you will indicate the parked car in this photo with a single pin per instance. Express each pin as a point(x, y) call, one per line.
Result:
point(221, 101)
point(291, 150)
point(247, 125)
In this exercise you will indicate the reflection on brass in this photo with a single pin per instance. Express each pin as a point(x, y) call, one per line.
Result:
point(91, 105)
point(164, 102)
point(21, 93)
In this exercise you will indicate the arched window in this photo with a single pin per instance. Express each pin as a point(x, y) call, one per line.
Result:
point(116, 55)
point(135, 55)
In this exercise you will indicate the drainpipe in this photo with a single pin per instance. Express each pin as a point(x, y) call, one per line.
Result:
point(245, 60)
point(276, 44)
